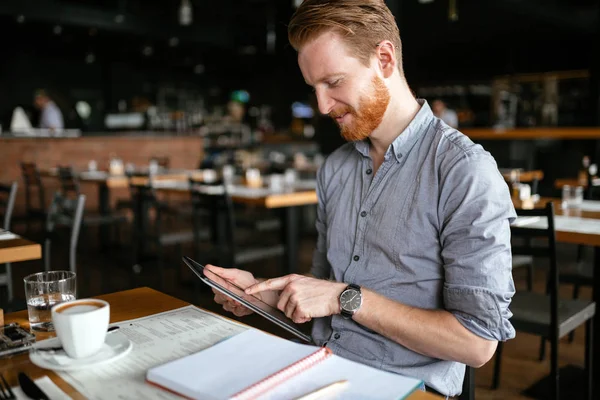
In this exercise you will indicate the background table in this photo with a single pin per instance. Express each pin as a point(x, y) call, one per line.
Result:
point(19, 249)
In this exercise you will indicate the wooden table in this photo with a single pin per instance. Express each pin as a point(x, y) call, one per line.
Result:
point(125, 305)
point(287, 201)
point(573, 182)
point(524, 176)
point(19, 249)
point(574, 133)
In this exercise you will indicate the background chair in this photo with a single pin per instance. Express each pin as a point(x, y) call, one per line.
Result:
point(545, 314)
point(214, 201)
point(8, 194)
point(64, 212)
point(34, 193)
point(152, 218)
point(71, 189)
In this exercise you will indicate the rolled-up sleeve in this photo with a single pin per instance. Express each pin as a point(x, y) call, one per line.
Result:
point(475, 210)
point(320, 266)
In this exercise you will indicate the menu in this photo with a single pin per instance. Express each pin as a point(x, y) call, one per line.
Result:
point(157, 339)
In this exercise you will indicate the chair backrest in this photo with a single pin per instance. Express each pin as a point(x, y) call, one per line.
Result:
point(8, 194)
point(68, 182)
point(214, 200)
point(144, 200)
point(33, 181)
point(66, 211)
point(545, 248)
point(468, 389)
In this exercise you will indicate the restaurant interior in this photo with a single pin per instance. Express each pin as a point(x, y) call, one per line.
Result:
point(134, 133)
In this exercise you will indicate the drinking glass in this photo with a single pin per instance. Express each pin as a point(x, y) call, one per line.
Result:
point(43, 291)
point(572, 196)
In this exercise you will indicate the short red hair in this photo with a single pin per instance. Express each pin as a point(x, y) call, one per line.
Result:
point(362, 23)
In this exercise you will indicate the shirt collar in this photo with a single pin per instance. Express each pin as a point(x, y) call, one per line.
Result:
point(407, 138)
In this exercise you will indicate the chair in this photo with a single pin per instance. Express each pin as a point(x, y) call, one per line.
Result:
point(468, 389)
point(64, 212)
point(8, 194)
point(148, 230)
point(71, 189)
point(581, 274)
point(545, 314)
point(33, 190)
point(214, 200)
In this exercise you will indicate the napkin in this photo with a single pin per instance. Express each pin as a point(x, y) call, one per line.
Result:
point(52, 391)
point(6, 235)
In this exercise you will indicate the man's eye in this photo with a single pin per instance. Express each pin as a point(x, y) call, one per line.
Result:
point(335, 83)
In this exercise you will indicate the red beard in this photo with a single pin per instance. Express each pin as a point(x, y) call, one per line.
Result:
point(368, 116)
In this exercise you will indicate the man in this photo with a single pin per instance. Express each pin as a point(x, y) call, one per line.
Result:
point(51, 117)
point(412, 270)
point(441, 110)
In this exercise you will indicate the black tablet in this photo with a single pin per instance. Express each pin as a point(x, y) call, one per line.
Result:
point(252, 302)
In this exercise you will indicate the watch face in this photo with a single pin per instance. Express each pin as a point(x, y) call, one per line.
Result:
point(350, 300)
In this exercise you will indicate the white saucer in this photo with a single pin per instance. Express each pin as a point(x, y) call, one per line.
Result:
point(116, 345)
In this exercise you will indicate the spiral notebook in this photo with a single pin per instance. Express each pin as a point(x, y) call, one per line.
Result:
point(256, 365)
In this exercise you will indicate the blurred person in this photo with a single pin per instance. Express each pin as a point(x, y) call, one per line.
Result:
point(441, 110)
point(412, 268)
point(51, 117)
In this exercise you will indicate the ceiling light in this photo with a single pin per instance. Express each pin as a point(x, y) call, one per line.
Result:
point(90, 58)
point(185, 12)
point(174, 41)
point(21, 19)
point(57, 29)
point(119, 18)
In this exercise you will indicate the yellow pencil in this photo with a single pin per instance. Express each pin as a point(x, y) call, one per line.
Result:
point(324, 390)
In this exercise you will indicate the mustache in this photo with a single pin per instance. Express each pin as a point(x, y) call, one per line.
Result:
point(340, 112)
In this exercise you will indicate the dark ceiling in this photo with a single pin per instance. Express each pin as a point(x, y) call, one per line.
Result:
point(226, 37)
point(113, 49)
point(241, 26)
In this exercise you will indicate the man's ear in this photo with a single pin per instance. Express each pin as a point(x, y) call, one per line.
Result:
point(386, 57)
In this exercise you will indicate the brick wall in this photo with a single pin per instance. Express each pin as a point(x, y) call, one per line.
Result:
point(184, 152)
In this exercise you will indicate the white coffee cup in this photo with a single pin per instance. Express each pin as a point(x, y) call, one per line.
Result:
point(81, 326)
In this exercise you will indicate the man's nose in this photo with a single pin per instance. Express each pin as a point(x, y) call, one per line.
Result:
point(325, 101)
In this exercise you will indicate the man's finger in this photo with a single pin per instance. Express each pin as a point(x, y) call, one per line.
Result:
point(284, 297)
point(272, 284)
point(227, 273)
point(299, 317)
point(291, 307)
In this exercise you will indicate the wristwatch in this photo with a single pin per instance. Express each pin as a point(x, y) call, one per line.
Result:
point(350, 300)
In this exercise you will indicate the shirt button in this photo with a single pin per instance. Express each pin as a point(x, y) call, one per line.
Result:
point(356, 258)
point(363, 214)
point(369, 171)
point(337, 336)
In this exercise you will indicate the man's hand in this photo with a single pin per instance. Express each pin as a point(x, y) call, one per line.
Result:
point(303, 298)
point(240, 278)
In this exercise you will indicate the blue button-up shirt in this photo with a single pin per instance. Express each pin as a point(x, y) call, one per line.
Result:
point(430, 229)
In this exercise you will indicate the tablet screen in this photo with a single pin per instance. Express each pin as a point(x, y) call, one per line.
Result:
point(237, 293)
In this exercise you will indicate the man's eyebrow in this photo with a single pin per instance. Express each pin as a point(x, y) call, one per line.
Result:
point(326, 78)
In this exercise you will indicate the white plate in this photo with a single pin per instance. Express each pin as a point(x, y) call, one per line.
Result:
point(116, 345)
